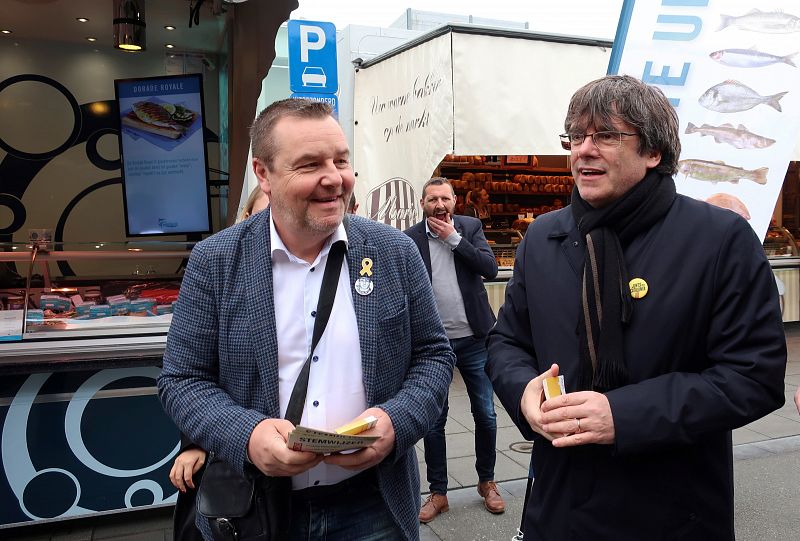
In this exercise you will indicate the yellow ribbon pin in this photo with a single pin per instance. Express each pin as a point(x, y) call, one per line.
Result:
point(639, 288)
point(366, 267)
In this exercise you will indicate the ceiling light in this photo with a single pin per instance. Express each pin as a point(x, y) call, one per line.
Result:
point(5, 31)
point(129, 25)
point(169, 46)
point(82, 19)
point(91, 39)
point(169, 27)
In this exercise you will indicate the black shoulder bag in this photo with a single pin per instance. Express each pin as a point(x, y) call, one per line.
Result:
point(256, 507)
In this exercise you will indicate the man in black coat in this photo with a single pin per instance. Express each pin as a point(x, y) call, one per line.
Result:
point(458, 258)
point(662, 315)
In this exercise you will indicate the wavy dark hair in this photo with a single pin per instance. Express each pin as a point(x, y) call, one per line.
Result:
point(626, 98)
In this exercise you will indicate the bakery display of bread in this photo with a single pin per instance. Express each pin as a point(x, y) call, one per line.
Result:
point(518, 183)
point(517, 193)
point(522, 224)
point(469, 160)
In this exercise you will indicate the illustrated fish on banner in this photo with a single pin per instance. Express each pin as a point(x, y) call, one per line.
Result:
point(730, 69)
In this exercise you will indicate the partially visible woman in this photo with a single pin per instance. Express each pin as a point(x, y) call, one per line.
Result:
point(185, 467)
point(477, 205)
point(185, 475)
point(256, 201)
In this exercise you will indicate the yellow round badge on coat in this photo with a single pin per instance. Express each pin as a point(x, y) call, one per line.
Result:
point(638, 287)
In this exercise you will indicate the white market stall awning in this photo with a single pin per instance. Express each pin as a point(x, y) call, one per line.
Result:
point(464, 90)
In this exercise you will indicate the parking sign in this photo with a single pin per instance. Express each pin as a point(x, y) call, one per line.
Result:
point(312, 57)
point(330, 99)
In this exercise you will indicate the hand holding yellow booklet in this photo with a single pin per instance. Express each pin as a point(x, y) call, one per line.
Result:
point(553, 387)
point(343, 438)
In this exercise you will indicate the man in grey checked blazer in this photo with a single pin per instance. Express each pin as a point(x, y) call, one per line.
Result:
point(220, 381)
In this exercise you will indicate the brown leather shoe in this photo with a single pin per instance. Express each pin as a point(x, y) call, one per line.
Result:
point(435, 504)
point(492, 499)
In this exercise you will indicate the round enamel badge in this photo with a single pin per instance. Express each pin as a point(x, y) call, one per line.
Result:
point(364, 286)
point(638, 287)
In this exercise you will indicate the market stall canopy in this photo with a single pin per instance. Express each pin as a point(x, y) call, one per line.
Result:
point(461, 89)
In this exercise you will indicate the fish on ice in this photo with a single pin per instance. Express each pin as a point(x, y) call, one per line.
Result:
point(732, 97)
point(767, 22)
point(719, 171)
point(750, 58)
point(739, 136)
point(154, 113)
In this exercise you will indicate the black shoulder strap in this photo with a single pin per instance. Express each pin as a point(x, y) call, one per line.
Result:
point(327, 294)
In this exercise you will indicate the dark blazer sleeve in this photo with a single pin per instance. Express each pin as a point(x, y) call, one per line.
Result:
point(187, 443)
point(511, 360)
point(473, 251)
point(740, 375)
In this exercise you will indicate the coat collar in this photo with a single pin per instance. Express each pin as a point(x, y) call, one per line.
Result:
point(565, 231)
point(419, 235)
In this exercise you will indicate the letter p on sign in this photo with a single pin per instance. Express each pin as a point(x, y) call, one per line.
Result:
point(306, 44)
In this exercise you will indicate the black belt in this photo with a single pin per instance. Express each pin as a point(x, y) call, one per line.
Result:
point(367, 479)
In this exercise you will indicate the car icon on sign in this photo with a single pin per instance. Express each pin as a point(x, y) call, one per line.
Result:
point(313, 76)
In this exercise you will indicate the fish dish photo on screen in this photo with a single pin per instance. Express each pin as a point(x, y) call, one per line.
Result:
point(163, 154)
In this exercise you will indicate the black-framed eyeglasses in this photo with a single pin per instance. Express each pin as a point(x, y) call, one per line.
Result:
point(602, 139)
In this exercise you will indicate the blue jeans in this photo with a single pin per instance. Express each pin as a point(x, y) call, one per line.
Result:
point(352, 515)
point(470, 361)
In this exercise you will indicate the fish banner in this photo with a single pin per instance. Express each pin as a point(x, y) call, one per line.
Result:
point(731, 71)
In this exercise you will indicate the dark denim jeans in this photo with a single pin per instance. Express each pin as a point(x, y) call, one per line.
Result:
point(470, 361)
point(353, 515)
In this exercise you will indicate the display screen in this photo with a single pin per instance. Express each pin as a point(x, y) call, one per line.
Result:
point(163, 154)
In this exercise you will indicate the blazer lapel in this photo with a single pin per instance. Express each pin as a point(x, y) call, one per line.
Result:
point(420, 237)
point(366, 307)
point(256, 260)
point(458, 225)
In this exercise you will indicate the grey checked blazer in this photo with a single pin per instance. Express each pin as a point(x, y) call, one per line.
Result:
point(220, 375)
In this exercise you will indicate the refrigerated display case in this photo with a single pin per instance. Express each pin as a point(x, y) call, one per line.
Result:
point(83, 431)
point(780, 242)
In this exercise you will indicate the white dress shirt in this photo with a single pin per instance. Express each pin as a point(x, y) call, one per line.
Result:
point(335, 384)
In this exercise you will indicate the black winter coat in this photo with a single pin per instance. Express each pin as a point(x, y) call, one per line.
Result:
point(706, 353)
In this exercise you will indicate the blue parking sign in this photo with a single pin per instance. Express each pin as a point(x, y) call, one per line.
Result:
point(312, 57)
